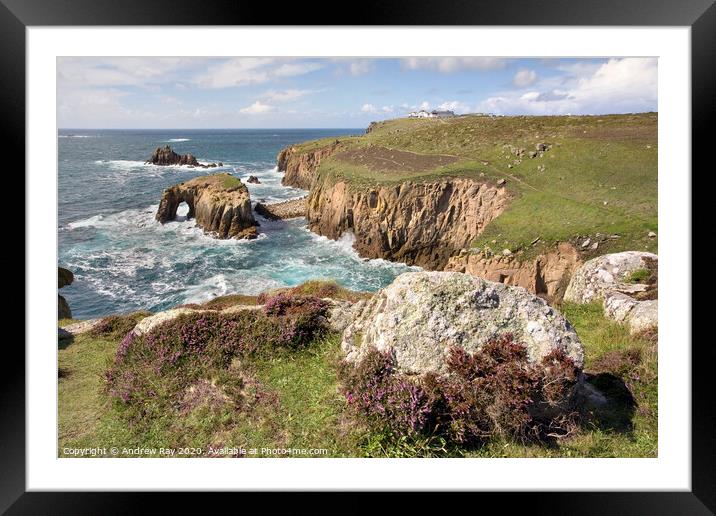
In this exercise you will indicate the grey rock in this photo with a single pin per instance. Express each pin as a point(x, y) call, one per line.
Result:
point(422, 314)
point(604, 274)
point(637, 315)
point(81, 326)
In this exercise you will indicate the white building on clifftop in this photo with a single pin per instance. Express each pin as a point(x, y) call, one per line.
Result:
point(431, 114)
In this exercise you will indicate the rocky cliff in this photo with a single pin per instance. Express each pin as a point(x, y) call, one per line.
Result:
point(546, 275)
point(220, 204)
point(300, 166)
point(416, 223)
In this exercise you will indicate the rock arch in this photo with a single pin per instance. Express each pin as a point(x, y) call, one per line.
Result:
point(220, 203)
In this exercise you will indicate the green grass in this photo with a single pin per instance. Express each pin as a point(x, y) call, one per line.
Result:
point(303, 408)
point(639, 276)
point(600, 174)
point(230, 181)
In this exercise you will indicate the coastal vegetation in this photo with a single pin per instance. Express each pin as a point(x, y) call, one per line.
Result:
point(264, 395)
point(455, 363)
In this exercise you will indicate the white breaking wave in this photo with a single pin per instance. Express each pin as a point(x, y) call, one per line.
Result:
point(178, 140)
point(139, 218)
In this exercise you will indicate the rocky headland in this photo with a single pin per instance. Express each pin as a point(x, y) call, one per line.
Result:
point(220, 203)
point(300, 167)
point(457, 195)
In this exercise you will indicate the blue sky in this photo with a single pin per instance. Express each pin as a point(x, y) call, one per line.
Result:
point(167, 92)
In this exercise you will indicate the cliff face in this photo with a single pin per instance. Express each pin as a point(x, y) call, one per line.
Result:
point(547, 275)
point(220, 204)
point(416, 223)
point(300, 167)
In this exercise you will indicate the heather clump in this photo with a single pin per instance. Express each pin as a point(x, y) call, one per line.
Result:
point(495, 391)
point(195, 356)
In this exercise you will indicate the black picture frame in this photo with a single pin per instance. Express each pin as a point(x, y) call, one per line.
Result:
point(700, 15)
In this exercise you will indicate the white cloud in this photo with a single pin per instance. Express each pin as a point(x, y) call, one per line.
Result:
point(453, 64)
point(286, 95)
point(352, 65)
point(145, 72)
point(256, 108)
point(616, 86)
point(454, 105)
point(369, 108)
point(360, 67)
point(387, 109)
point(524, 77)
point(243, 71)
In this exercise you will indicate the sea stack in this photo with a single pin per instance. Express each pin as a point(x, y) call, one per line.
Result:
point(166, 156)
point(220, 203)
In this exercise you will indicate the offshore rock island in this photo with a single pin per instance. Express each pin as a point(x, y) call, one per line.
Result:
point(220, 204)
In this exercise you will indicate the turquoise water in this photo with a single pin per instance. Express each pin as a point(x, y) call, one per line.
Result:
point(124, 260)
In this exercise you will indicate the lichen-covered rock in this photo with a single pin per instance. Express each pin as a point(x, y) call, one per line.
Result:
point(421, 315)
point(82, 326)
point(609, 273)
point(220, 203)
point(342, 313)
point(639, 316)
point(149, 323)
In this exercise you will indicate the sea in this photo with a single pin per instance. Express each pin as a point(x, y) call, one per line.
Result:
point(124, 260)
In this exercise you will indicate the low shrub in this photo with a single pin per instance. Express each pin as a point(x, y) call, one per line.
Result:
point(151, 373)
point(495, 391)
point(316, 288)
point(117, 326)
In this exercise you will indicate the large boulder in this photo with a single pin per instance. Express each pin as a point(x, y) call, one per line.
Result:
point(421, 315)
point(64, 278)
point(639, 316)
point(610, 273)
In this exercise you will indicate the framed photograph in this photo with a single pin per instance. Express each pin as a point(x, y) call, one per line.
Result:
point(420, 253)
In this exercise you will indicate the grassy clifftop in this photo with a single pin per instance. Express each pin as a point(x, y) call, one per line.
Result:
point(569, 176)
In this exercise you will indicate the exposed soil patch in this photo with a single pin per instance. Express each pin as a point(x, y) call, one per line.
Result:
point(380, 158)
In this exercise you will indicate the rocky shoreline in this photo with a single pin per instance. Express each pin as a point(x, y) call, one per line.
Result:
point(291, 209)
